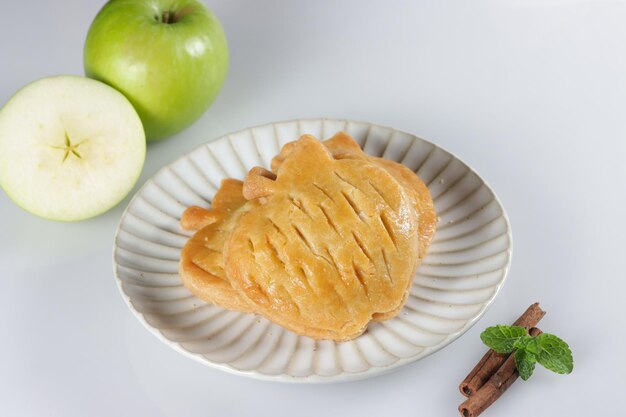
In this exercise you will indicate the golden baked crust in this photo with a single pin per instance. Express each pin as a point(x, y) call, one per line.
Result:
point(202, 260)
point(202, 263)
point(343, 146)
point(331, 243)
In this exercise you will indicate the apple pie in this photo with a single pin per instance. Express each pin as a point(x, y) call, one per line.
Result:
point(322, 244)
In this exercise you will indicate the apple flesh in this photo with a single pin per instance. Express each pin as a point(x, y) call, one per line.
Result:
point(168, 57)
point(70, 148)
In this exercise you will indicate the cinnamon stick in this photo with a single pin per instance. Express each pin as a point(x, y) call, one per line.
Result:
point(494, 387)
point(492, 361)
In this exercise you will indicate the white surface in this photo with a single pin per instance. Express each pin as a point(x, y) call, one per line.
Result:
point(530, 93)
point(459, 278)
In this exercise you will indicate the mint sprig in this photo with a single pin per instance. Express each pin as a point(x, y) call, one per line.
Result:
point(546, 349)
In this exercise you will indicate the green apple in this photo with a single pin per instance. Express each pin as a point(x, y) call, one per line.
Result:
point(70, 148)
point(168, 57)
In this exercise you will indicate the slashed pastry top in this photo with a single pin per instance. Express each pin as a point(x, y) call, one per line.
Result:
point(343, 146)
point(202, 263)
point(332, 243)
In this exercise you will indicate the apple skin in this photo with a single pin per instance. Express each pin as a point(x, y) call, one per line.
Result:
point(168, 57)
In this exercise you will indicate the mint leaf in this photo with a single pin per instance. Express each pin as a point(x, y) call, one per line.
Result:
point(525, 363)
point(527, 343)
point(502, 338)
point(554, 354)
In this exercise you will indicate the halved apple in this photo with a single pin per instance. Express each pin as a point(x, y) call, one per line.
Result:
point(70, 148)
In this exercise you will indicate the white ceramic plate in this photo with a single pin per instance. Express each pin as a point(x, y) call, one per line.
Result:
point(465, 267)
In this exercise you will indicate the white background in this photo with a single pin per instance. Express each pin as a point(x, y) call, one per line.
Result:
point(530, 93)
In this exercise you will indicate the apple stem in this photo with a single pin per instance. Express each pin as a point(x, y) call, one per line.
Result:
point(169, 17)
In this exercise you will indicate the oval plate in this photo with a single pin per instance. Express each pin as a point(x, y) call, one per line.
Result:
point(465, 267)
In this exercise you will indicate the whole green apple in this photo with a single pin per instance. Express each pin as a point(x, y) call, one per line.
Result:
point(168, 57)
